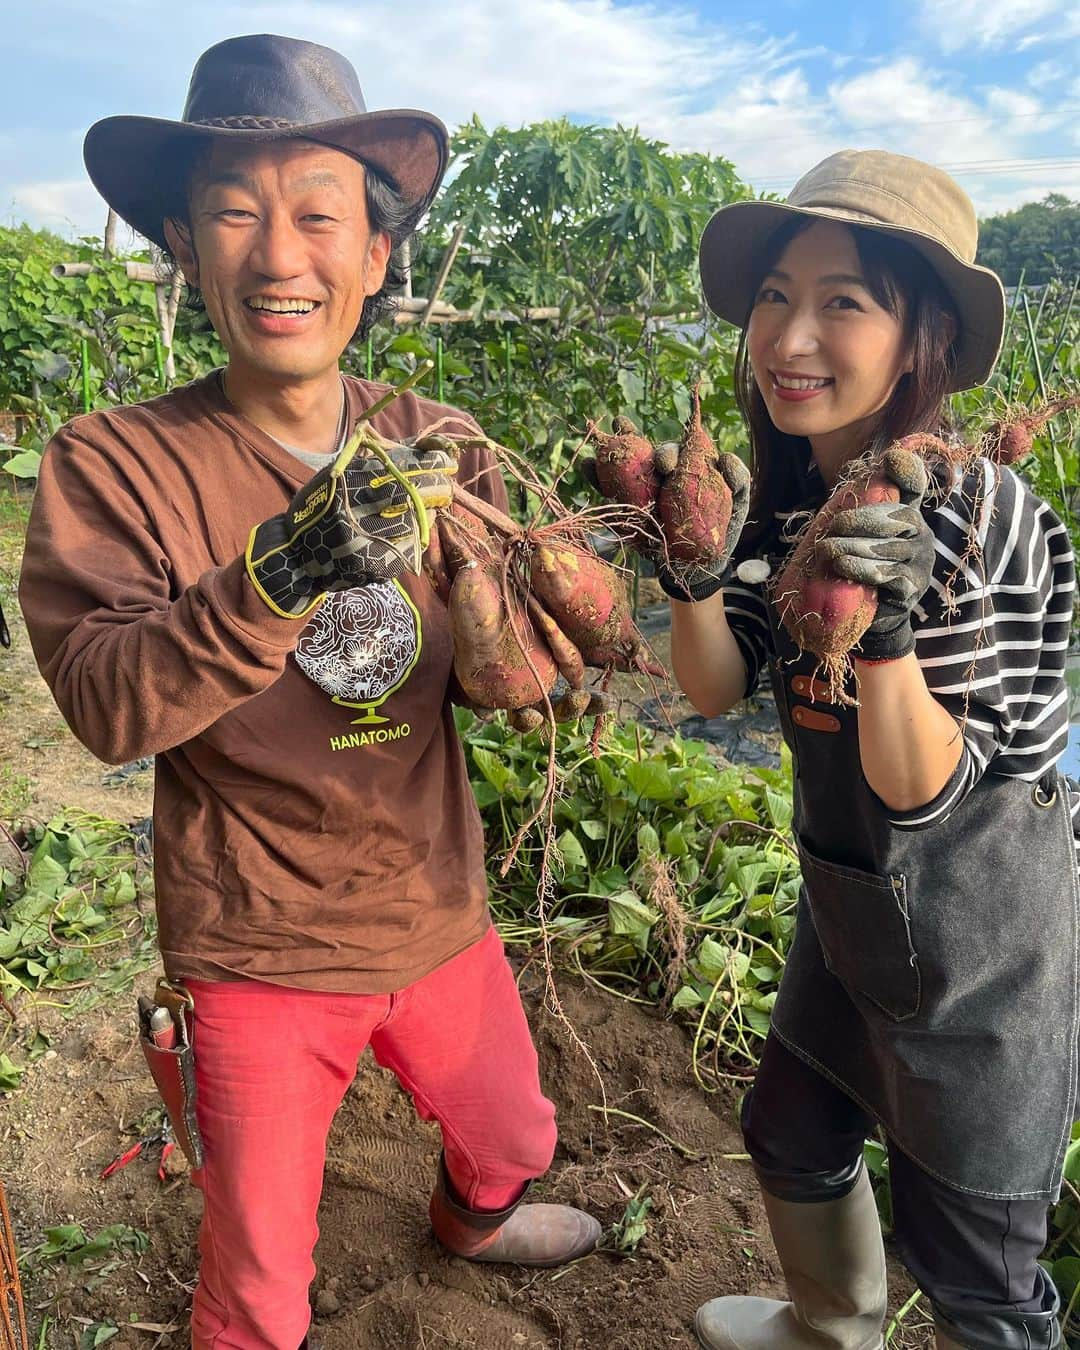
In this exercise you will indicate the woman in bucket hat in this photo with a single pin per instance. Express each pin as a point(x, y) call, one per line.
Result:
point(931, 986)
point(203, 582)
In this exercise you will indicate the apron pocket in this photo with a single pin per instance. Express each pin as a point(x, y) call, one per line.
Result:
point(862, 925)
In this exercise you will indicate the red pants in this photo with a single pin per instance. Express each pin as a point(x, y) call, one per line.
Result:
point(272, 1066)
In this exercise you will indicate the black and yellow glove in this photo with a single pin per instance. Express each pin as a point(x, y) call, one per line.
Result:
point(349, 526)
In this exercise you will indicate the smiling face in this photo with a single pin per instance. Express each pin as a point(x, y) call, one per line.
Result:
point(824, 353)
point(281, 249)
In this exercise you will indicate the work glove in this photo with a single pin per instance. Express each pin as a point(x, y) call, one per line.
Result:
point(891, 547)
point(349, 526)
point(678, 578)
point(688, 581)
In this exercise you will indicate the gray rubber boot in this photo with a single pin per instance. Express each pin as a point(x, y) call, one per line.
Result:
point(834, 1262)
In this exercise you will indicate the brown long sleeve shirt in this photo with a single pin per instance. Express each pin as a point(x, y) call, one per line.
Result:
point(314, 824)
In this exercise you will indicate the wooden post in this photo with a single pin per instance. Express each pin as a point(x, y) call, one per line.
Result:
point(406, 265)
point(84, 360)
point(508, 351)
point(167, 302)
point(444, 271)
point(110, 235)
point(172, 307)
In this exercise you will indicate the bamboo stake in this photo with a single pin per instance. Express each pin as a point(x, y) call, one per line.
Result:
point(172, 305)
point(444, 271)
point(109, 247)
point(410, 309)
point(84, 362)
point(140, 271)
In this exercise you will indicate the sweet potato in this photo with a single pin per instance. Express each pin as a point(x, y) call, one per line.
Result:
point(588, 601)
point(823, 613)
point(625, 466)
point(462, 542)
point(1010, 439)
point(567, 657)
point(489, 661)
point(694, 502)
point(435, 565)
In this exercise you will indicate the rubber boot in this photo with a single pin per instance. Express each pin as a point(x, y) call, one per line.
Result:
point(521, 1235)
point(834, 1262)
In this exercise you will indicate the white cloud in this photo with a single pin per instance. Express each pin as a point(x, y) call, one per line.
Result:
point(68, 206)
point(1008, 193)
point(957, 25)
point(630, 62)
point(748, 93)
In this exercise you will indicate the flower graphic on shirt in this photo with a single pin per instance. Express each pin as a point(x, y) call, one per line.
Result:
point(361, 645)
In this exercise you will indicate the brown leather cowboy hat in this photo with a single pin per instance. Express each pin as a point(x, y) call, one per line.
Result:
point(262, 88)
point(876, 190)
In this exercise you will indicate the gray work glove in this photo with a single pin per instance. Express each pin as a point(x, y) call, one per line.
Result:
point(688, 581)
point(346, 528)
point(891, 547)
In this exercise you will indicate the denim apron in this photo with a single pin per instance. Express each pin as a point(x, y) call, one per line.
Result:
point(933, 974)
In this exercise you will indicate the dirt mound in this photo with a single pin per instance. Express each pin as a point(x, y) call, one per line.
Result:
point(382, 1280)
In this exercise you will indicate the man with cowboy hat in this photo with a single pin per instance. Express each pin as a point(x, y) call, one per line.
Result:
point(205, 580)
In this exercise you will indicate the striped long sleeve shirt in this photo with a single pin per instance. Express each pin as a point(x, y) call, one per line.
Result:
point(991, 633)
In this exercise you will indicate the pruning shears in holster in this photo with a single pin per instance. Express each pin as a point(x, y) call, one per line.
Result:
point(167, 1045)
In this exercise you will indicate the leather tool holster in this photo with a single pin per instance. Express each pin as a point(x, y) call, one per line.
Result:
point(174, 1070)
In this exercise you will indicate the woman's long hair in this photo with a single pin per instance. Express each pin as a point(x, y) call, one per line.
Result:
point(905, 286)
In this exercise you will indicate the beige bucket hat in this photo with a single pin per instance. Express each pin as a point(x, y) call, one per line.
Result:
point(879, 191)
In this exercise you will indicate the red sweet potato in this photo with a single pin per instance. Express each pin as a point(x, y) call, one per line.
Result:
point(462, 542)
point(823, 613)
point(694, 502)
point(588, 601)
point(567, 657)
point(490, 665)
point(435, 565)
point(1010, 439)
point(625, 467)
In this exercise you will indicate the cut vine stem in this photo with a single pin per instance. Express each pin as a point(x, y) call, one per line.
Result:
point(498, 520)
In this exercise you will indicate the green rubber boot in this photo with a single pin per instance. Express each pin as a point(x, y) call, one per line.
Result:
point(834, 1262)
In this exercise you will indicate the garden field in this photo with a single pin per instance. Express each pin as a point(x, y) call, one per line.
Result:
point(673, 873)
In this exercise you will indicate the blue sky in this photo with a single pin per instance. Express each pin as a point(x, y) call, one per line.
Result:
point(987, 88)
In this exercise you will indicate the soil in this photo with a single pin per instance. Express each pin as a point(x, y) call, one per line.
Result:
point(382, 1280)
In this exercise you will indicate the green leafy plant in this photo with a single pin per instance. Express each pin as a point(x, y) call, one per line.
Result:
point(70, 1244)
point(44, 319)
point(675, 878)
point(72, 909)
point(97, 1333)
point(1040, 360)
point(630, 1229)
